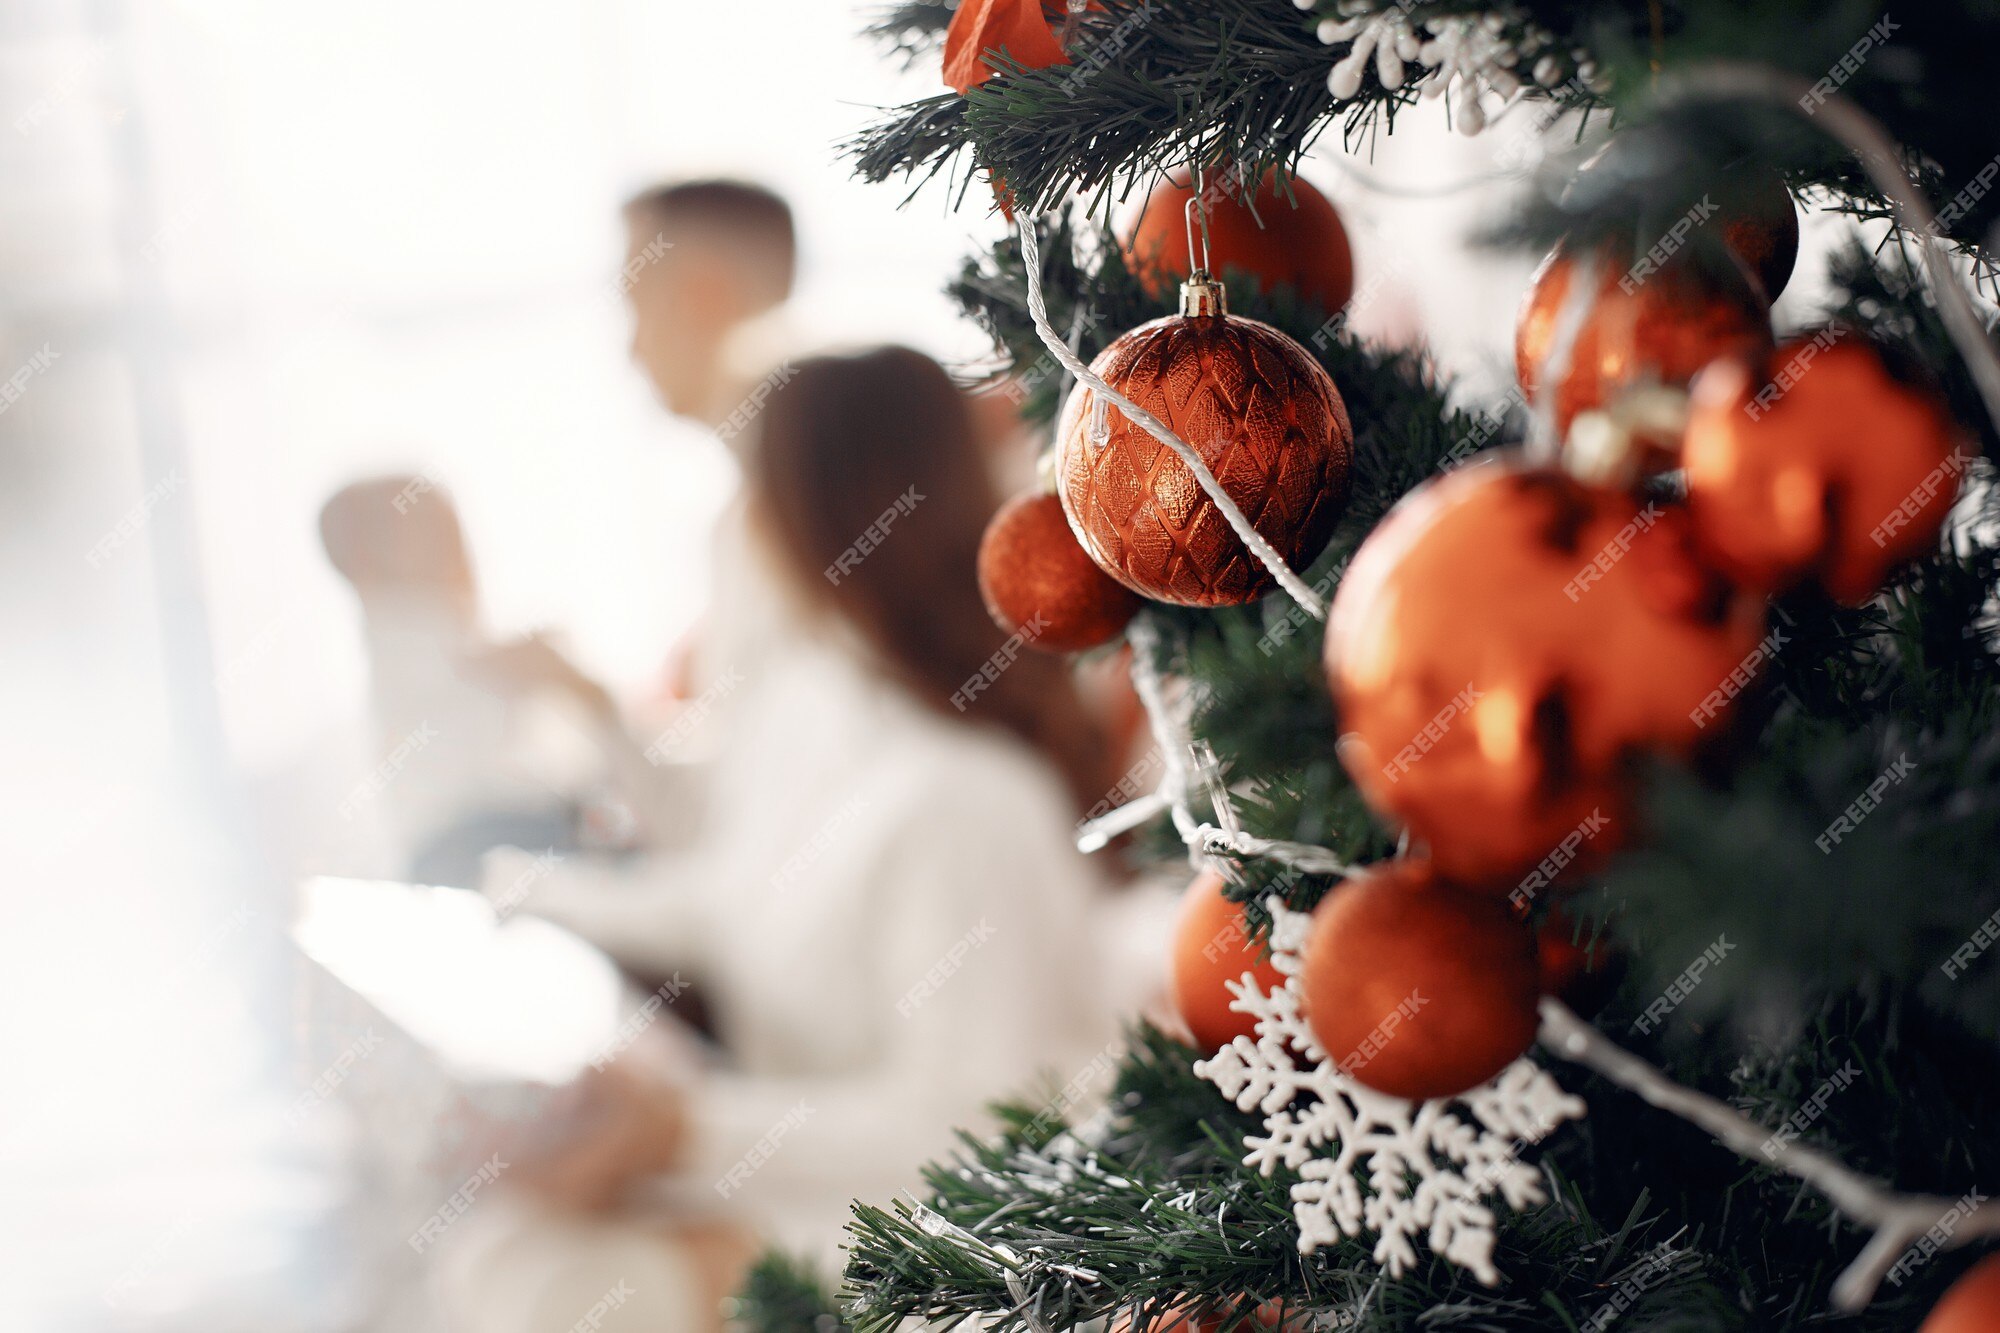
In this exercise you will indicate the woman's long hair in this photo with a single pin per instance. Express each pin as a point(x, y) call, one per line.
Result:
point(866, 476)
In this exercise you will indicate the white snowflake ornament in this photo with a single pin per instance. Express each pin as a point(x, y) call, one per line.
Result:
point(1387, 36)
point(1428, 1170)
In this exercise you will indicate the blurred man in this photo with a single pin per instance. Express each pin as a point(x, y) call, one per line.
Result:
point(707, 264)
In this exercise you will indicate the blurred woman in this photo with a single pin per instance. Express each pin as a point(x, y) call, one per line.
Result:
point(878, 895)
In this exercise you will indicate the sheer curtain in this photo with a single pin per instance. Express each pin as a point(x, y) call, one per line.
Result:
point(251, 250)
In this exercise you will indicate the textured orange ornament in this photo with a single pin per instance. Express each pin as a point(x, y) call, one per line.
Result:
point(1972, 1305)
point(1024, 29)
point(1670, 324)
point(1211, 946)
point(1815, 464)
point(1035, 579)
point(1415, 988)
point(1264, 417)
point(1297, 243)
point(1501, 645)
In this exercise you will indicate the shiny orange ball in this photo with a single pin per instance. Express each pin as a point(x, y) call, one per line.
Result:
point(1415, 988)
point(1037, 582)
point(1212, 946)
point(1297, 242)
point(1760, 225)
point(1657, 327)
point(1263, 416)
point(1814, 464)
point(1972, 1305)
point(1501, 646)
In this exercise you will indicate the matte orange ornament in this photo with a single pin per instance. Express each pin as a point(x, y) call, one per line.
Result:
point(1814, 464)
point(1653, 327)
point(1502, 644)
point(1972, 1305)
point(1297, 242)
point(1036, 580)
point(1212, 946)
point(1262, 414)
point(1024, 29)
point(1416, 988)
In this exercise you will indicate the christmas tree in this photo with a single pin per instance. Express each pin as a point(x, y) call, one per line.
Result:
point(1595, 919)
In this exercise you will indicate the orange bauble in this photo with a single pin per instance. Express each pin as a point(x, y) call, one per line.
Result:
point(1502, 644)
point(1207, 1319)
point(1297, 242)
point(1212, 946)
point(1668, 325)
point(1816, 464)
point(1972, 1305)
point(1024, 29)
point(1038, 582)
point(1415, 988)
point(1264, 417)
point(1760, 225)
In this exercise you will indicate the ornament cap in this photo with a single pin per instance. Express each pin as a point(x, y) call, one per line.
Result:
point(1203, 295)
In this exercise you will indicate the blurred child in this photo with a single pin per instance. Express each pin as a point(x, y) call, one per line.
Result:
point(469, 756)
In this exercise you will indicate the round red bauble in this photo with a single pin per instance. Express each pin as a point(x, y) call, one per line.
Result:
point(1415, 988)
point(1972, 1305)
point(1653, 327)
point(1500, 647)
point(1265, 419)
point(1211, 947)
point(1814, 464)
point(1037, 582)
point(1297, 242)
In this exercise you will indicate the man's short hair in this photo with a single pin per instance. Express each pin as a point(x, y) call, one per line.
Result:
point(736, 212)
